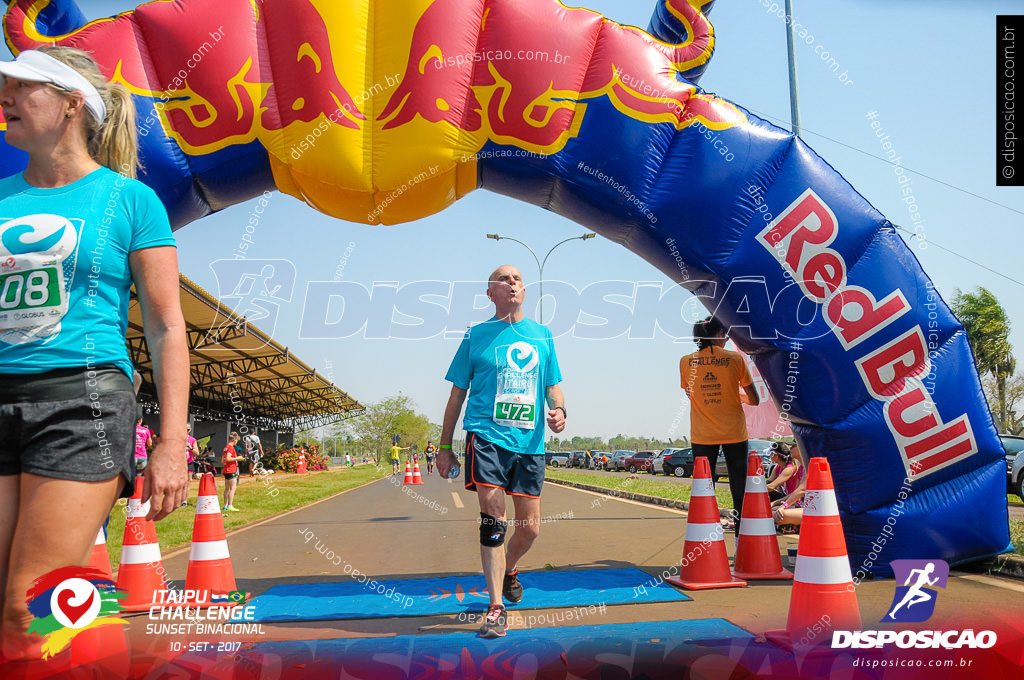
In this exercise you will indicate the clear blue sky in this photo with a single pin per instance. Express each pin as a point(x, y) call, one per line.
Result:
point(926, 68)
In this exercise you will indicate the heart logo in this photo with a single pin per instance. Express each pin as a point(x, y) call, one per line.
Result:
point(522, 356)
point(74, 612)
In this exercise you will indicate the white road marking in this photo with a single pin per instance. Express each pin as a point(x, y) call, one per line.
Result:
point(457, 500)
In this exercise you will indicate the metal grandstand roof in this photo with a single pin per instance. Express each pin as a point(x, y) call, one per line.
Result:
point(239, 371)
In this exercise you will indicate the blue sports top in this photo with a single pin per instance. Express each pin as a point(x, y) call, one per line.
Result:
point(64, 272)
point(507, 369)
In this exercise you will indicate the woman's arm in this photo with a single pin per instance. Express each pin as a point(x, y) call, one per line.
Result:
point(155, 273)
point(785, 474)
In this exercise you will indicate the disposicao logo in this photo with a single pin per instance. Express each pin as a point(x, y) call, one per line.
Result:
point(914, 602)
point(67, 601)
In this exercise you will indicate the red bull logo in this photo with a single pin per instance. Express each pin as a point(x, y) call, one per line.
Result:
point(529, 86)
point(234, 69)
point(516, 73)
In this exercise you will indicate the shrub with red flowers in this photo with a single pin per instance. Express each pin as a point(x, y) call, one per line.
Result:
point(288, 460)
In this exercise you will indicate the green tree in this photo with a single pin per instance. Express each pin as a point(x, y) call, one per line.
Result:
point(376, 427)
point(988, 331)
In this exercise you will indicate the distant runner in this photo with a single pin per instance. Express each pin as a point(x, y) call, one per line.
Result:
point(430, 452)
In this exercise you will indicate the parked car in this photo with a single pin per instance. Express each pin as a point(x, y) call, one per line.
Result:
point(617, 460)
point(677, 462)
point(1017, 475)
point(577, 459)
point(599, 459)
point(558, 459)
point(1013, 446)
point(759, 446)
point(640, 461)
point(659, 461)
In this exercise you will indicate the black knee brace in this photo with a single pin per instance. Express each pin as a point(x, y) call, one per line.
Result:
point(492, 531)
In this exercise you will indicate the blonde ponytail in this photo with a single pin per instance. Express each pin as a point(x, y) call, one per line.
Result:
point(112, 143)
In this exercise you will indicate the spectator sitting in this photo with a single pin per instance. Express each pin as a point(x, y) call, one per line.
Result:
point(789, 511)
point(787, 475)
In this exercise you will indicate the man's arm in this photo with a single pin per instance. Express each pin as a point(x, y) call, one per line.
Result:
point(556, 406)
point(445, 456)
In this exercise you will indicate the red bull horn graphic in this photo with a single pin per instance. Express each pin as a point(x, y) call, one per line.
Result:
point(386, 111)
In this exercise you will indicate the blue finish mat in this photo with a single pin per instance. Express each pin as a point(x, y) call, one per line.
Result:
point(454, 594)
point(663, 649)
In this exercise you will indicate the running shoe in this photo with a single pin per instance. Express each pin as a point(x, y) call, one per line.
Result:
point(233, 508)
point(511, 588)
point(495, 622)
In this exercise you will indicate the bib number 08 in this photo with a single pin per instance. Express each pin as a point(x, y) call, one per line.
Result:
point(517, 412)
point(25, 290)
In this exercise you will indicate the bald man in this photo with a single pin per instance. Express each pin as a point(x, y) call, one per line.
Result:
point(508, 368)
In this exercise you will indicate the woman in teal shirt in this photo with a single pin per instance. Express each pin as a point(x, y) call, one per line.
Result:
point(76, 232)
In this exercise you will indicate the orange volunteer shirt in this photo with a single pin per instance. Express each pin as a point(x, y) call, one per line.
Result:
point(715, 376)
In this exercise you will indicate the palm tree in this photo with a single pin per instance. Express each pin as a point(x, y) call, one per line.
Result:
point(988, 331)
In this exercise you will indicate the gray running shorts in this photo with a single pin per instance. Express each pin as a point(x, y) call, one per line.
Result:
point(76, 424)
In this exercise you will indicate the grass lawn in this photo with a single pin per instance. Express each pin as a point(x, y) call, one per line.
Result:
point(256, 499)
point(650, 485)
point(667, 488)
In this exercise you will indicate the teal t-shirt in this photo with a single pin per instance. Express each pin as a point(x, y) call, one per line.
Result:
point(64, 272)
point(507, 369)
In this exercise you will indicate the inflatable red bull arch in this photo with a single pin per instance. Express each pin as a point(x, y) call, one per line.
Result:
point(342, 103)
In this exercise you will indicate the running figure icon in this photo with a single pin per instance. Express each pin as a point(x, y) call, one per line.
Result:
point(916, 594)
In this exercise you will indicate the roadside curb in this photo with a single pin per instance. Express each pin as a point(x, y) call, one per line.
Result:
point(1008, 566)
point(631, 496)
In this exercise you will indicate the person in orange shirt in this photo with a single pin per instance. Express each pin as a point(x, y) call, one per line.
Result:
point(713, 378)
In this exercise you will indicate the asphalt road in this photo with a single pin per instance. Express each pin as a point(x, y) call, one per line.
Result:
point(393, 531)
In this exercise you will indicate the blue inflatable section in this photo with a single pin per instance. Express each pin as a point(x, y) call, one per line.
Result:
point(854, 342)
point(856, 346)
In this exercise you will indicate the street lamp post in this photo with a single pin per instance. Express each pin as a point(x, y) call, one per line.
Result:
point(794, 95)
point(540, 263)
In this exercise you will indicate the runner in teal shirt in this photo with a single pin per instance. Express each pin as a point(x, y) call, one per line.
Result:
point(508, 368)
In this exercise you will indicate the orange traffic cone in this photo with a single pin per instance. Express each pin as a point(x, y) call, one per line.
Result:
point(705, 563)
point(824, 597)
point(757, 552)
point(408, 474)
point(300, 469)
point(100, 559)
point(209, 564)
point(141, 573)
point(417, 478)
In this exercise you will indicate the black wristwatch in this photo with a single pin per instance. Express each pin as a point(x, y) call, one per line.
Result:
point(562, 409)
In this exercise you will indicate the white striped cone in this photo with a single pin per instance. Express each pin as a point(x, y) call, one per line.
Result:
point(757, 550)
point(824, 597)
point(141, 572)
point(705, 563)
point(417, 478)
point(100, 558)
point(209, 564)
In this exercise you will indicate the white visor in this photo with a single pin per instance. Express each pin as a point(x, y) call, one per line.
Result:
point(38, 67)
